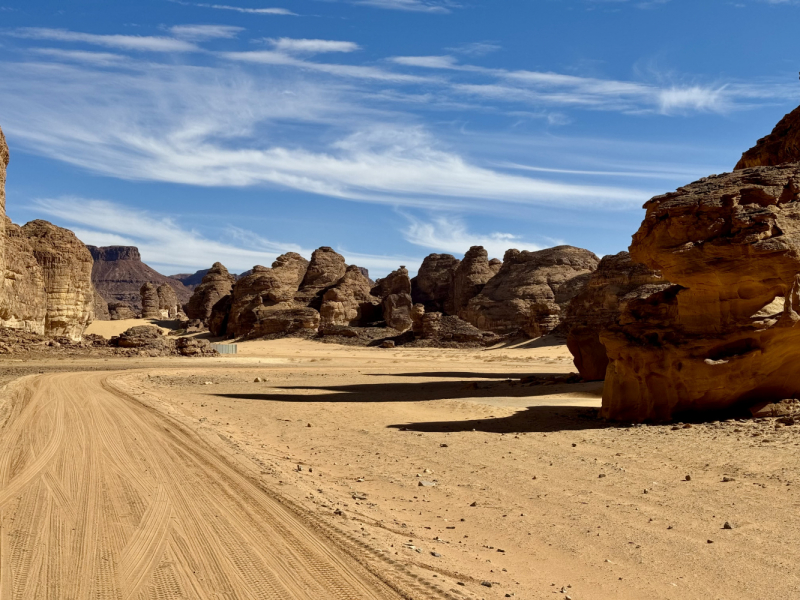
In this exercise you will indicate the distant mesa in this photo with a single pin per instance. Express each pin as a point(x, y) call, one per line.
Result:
point(191, 280)
point(119, 273)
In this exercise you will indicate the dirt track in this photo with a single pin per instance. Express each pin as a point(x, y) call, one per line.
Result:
point(102, 497)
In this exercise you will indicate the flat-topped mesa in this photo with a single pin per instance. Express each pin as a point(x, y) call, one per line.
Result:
point(531, 290)
point(780, 147)
point(118, 274)
point(431, 287)
point(728, 332)
point(617, 281)
point(67, 268)
point(216, 284)
point(265, 288)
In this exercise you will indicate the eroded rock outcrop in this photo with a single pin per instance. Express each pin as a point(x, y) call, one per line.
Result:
point(216, 284)
point(779, 147)
point(167, 301)
point(617, 281)
point(431, 287)
point(67, 268)
point(531, 291)
point(101, 312)
point(325, 269)
point(728, 332)
point(395, 293)
point(120, 311)
point(23, 299)
point(149, 301)
point(349, 301)
point(471, 275)
point(5, 157)
point(265, 288)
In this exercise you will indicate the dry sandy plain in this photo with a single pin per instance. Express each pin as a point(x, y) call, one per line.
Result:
point(369, 473)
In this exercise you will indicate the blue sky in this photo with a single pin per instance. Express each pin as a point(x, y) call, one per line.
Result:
point(387, 129)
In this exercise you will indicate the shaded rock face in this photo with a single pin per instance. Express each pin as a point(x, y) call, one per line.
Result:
point(118, 274)
point(779, 147)
point(616, 282)
point(728, 332)
point(149, 295)
point(349, 301)
point(469, 278)
point(494, 265)
point(216, 284)
point(120, 311)
point(431, 287)
point(531, 291)
point(265, 288)
point(325, 269)
point(273, 320)
point(167, 301)
point(23, 299)
point(101, 308)
point(395, 293)
point(67, 268)
point(218, 320)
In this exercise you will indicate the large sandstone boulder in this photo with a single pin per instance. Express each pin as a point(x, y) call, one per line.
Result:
point(349, 301)
point(167, 301)
point(118, 274)
point(265, 287)
point(23, 299)
point(395, 293)
point(216, 284)
point(728, 332)
point(326, 268)
point(617, 281)
point(67, 268)
point(275, 320)
point(470, 276)
point(779, 147)
point(431, 287)
point(121, 311)
point(149, 295)
point(531, 291)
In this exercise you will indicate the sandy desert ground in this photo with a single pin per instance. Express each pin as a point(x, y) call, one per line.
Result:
point(374, 473)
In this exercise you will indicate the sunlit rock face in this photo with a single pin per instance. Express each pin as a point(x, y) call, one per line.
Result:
point(617, 281)
point(216, 284)
point(67, 269)
point(780, 147)
point(531, 290)
point(726, 332)
point(349, 301)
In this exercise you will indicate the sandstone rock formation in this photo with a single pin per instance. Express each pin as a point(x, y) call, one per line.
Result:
point(431, 287)
point(265, 288)
point(531, 291)
point(167, 301)
point(101, 312)
point(469, 278)
point(727, 332)
point(779, 147)
point(417, 318)
point(118, 274)
point(217, 321)
point(23, 299)
point(274, 320)
point(149, 295)
point(67, 268)
point(349, 301)
point(449, 330)
point(325, 269)
point(494, 265)
point(120, 311)
point(395, 293)
point(616, 282)
point(5, 157)
point(216, 284)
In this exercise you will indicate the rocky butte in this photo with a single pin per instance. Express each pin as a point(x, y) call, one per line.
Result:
point(727, 332)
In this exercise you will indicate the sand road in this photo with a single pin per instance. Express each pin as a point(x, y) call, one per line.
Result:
point(102, 497)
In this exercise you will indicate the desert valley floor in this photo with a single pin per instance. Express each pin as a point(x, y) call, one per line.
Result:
point(376, 473)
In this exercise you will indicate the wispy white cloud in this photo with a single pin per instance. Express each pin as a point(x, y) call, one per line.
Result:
point(248, 11)
point(305, 46)
point(100, 59)
point(450, 234)
point(123, 42)
point(475, 48)
point(410, 5)
point(427, 62)
point(199, 33)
